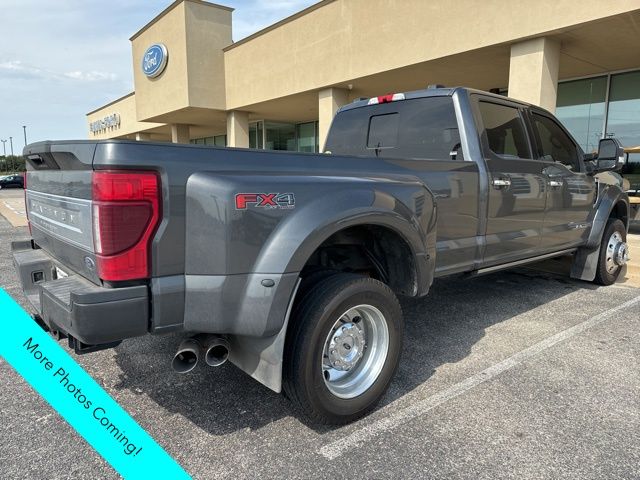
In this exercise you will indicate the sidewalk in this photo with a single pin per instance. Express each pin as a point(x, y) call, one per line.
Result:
point(633, 267)
point(13, 210)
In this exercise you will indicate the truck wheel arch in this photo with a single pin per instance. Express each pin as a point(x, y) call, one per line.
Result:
point(621, 212)
point(613, 203)
point(290, 247)
point(378, 248)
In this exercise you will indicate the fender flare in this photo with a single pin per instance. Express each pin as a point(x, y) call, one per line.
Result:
point(610, 196)
point(301, 234)
point(585, 262)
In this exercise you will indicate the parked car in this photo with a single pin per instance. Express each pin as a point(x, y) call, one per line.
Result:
point(290, 264)
point(9, 181)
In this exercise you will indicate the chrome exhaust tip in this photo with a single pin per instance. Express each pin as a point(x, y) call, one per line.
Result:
point(187, 356)
point(216, 351)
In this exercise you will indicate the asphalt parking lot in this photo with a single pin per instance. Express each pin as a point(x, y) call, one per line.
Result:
point(525, 374)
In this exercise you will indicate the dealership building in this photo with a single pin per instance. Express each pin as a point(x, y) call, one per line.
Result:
point(280, 87)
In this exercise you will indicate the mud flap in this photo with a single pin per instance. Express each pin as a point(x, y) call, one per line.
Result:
point(585, 264)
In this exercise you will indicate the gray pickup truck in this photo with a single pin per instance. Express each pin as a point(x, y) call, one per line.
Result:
point(290, 264)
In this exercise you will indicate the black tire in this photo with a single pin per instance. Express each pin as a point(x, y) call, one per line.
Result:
point(603, 276)
point(311, 278)
point(311, 322)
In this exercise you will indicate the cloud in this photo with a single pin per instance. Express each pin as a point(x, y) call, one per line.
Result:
point(13, 66)
point(17, 68)
point(92, 76)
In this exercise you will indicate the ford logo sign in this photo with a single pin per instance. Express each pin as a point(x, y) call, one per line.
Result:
point(154, 60)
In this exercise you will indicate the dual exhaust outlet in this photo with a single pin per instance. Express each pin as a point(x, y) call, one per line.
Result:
point(213, 348)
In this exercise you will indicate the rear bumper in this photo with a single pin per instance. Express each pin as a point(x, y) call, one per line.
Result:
point(77, 308)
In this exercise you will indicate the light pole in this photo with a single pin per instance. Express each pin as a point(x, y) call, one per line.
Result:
point(4, 146)
point(24, 128)
point(11, 143)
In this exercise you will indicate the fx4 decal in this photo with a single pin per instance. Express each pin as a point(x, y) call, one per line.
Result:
point(265, 200)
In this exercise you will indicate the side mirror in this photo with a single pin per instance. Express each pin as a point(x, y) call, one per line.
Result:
point(610, 157)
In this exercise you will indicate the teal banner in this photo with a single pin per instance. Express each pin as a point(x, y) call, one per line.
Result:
point(79, 399)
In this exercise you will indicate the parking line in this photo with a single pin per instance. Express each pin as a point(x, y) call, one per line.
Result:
point(347, 443)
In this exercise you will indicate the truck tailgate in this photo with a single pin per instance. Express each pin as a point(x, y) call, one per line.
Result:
point(58, 204)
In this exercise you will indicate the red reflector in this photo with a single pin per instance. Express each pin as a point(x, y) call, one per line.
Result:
point(126, 213)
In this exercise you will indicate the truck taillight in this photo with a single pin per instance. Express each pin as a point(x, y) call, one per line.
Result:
point(126, 214)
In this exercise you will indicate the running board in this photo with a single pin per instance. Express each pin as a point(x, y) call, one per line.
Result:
point(524, 261)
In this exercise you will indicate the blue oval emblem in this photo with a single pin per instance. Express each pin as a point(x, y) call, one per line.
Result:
point(154, 60)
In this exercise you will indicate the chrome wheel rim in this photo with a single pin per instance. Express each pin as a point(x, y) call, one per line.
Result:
point(617, 253)
point(355, 351)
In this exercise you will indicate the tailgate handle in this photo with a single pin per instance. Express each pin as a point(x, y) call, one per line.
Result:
point(37, 159)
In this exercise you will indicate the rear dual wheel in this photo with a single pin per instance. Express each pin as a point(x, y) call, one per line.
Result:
point(343, 347)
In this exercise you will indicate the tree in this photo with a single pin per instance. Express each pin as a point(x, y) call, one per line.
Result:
point(12, 164)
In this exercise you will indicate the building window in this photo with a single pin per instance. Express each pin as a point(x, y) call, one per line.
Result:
point(623, 120)
point(256, 135)
point(218, 141)
point(270, 135)
point(280, 136)
point(581, 108)
point(307, 137)
point(587, 109)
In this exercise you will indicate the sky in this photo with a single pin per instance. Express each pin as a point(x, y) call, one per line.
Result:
point(60, 59)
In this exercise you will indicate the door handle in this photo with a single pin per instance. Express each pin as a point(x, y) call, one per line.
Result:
point(556, 183)
point(501, 182)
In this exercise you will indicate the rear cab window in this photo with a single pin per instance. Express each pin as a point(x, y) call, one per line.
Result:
point(420, 128)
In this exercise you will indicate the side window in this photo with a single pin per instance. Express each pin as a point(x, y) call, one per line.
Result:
point(423, 129)
point(429, 130)
point(554, 144)
point(505, 131)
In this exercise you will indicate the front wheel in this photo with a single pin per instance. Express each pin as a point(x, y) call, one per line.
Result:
point(343, 348)
point(614, 252)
